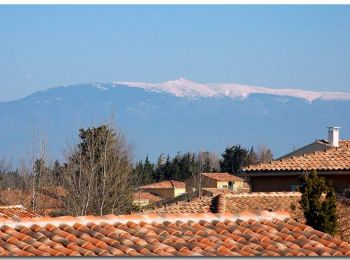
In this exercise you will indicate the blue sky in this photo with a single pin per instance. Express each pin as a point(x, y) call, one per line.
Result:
point(275, 46)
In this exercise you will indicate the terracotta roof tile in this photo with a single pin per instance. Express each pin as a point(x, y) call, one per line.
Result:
point(45, 203)
point(141, 195)
point(237, 202)
point(270, 201)
point(165, 185)
point(333, 158)
point(16, 211)
point(259, 233)
point(198, 205)
point(222, 176)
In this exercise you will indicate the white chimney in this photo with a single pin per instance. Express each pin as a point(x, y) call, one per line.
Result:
point(333, 135)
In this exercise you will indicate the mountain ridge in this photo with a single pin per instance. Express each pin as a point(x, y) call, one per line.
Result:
point(186, 88)
point(158, 122)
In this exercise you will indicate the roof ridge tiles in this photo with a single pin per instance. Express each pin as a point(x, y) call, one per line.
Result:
point(12, 206)
point(263, 194)
point(148, 218)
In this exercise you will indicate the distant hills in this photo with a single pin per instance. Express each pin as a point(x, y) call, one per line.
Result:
point(174, 116)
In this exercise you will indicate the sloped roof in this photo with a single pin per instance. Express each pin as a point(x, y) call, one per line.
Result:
point(270, 201)
point(246, 234)
point(146, 196)
point(222, 176)
point(237, 202)
point(16, 211)
point(198, 205)
point(45, 203)
point(331, 159)
point(216, 191)
point(165, 185)
point(318, 145)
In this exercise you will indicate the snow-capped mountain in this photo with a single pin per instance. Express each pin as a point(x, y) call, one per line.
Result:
point(186, 88)
point(174, 116)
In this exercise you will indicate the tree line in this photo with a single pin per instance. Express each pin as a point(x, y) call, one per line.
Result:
point(100, 175)
point(183, 166)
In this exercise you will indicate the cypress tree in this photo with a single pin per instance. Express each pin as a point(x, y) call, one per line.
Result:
point(319, 211)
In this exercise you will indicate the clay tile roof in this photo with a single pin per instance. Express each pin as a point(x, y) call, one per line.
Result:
point(165, 185)
point(45, 203)
point(146, 196)
point(15, 212)
point(258, 233)
point(333, 158)
point(198, 205)
point(221, 176)
point(271, 201)
point(236, 202)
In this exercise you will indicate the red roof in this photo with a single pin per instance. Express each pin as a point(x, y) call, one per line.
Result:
point(198, 205)
point(246, 234)
point(235, 203)
point(221, 176)
point(16, 211)
point(45, 203)
point(331, 159)
point(146, 196)
point(165, 185)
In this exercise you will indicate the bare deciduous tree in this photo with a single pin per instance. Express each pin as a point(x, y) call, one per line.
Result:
point(264, 154)
point(205, 162)
point(98, 173)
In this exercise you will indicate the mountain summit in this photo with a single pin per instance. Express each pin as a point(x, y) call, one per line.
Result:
point(186, 88)
point(174, 116)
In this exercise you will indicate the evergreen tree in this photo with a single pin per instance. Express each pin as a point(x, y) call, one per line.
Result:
point(319, 211)
point(148, 170)
point(188, 166)
point(167, 169)
point(144, 172)
point(234, 158)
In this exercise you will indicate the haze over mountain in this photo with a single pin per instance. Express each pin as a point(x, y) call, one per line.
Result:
point(174, 116)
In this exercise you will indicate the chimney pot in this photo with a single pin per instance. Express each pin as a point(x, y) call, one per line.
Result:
point(333, 135)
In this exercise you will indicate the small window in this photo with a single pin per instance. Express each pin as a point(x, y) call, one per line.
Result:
point(224, 186)
point(230, 185)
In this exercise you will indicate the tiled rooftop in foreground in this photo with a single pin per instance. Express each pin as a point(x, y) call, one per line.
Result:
point(260, 233)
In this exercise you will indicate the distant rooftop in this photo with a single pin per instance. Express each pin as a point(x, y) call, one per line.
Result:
point(146, 196)
point(222, 176)
point(329, 159)
point(165, 185)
